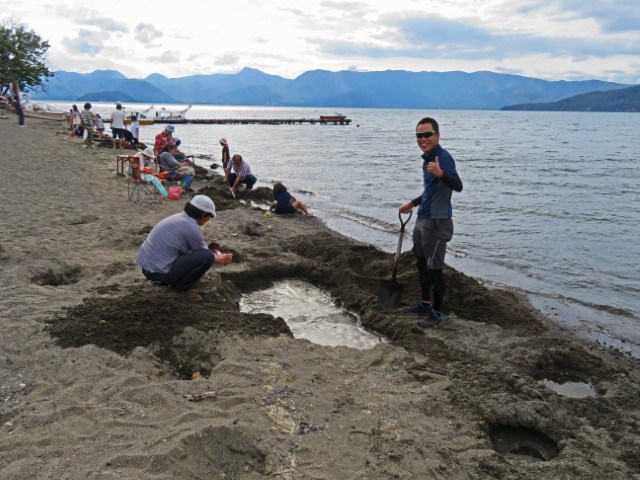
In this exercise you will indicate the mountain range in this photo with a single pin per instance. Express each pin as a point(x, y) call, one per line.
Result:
point(619, 100)
point(321, 88)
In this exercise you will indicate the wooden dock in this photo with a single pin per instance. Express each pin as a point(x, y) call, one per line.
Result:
point(250, 121)
point(334, 120)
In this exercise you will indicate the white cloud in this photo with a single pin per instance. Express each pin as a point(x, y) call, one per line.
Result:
point(146, 33)
point(167, 57)
point(560, 39)
point(87, 42)
point(227, 59)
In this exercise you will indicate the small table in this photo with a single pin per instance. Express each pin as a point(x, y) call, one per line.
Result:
point(120, 161)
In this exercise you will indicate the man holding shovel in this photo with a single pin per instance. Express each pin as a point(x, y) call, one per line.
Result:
point(434, 226)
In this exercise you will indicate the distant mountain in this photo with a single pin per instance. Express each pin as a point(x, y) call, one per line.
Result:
point(619, 100)
point(321, 88)
point(101, 85)
point(112, 96)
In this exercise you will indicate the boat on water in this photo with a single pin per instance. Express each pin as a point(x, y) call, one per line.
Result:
point(145, 117)
point(336, 118)
point(165, 115)
point(45, 111)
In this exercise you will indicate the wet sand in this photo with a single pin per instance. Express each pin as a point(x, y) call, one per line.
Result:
point(98, 366)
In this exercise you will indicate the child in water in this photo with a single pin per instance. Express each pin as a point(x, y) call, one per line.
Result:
point(285, 203)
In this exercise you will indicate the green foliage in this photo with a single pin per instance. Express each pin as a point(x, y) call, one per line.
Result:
point(21, 57)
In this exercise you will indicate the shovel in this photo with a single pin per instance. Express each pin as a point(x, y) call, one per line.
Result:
point(390, 292)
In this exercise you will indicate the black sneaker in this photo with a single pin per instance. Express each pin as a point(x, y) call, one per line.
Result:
point(417, 309)
point(434, 319)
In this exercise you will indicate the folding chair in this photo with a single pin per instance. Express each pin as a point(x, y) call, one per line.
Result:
point(139, 187)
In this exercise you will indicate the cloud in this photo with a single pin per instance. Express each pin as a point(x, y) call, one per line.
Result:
point(166, 57)
point(613, 16)
point(436, 37)
point(107, 24)
point(87, 42)
point(349, 7)
point(146, 33)
point(227, 59)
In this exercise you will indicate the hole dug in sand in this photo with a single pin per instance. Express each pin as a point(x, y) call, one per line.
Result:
point(214, 452)
point(564, 373)
point(522, 443)
point(568, 385)
point(64, 275)
point(310, 313)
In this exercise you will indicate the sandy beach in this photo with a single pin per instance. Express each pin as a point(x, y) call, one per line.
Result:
point(99, 368)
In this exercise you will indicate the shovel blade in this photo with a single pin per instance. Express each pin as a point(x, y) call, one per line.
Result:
point(390, 294)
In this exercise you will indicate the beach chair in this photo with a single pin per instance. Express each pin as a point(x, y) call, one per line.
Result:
point(143, 184)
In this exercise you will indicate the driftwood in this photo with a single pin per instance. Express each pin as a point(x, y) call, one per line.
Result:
point(200, 396)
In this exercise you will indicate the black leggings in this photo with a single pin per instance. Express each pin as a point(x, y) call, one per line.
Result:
point(431, 279)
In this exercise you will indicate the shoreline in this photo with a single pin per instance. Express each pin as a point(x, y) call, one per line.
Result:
point(98, 363)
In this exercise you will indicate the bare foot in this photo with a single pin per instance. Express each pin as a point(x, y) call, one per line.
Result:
point(188, 295)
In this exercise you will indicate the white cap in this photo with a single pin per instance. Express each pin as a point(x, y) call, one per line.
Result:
point(149, 152)
point(204, 203)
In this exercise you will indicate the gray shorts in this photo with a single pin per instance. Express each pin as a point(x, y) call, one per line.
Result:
point(430, 237)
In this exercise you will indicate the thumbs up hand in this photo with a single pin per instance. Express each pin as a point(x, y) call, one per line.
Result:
point(434, 168)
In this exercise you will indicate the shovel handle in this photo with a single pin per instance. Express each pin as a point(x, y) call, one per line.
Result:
point(399, 249)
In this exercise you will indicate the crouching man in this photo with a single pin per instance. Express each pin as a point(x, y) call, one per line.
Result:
point(174, 253)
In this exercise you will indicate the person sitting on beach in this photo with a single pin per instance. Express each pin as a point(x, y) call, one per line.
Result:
point(284, 202)
point(145, 157)
point(174, 254)
point(139, 167)
point(163, 139)
point(241, 174)
point(177, 170)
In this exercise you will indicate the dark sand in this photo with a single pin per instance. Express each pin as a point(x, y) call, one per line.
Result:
point(96, 362)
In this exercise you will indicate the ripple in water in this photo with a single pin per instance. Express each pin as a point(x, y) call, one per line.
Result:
point(310, 314)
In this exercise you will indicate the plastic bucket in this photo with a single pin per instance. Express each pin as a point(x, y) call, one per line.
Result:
point(174, 193)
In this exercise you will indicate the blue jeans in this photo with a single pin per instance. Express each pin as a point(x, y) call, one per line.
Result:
point(185, 271)
point(249, 180)
point(186, 179)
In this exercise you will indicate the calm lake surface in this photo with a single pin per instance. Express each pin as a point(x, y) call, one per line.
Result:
point(550, 206)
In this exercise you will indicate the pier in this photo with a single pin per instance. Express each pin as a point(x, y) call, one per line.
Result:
point(265, 121)
point(323, 120)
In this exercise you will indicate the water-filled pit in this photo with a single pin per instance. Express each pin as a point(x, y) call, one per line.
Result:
point(523, 443)
point(310, 313)
point(567, 385)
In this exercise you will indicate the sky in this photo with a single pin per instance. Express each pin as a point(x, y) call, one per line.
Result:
point(547, 39)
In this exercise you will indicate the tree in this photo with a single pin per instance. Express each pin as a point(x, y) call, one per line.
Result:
point(21, 57)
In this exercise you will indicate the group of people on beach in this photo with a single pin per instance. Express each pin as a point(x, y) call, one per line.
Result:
point(175, 254)
point(86, 124)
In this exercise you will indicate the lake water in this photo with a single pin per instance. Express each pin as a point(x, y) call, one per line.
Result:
point(550, 206)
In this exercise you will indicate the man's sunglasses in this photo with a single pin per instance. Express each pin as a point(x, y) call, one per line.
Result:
point(428, 134)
